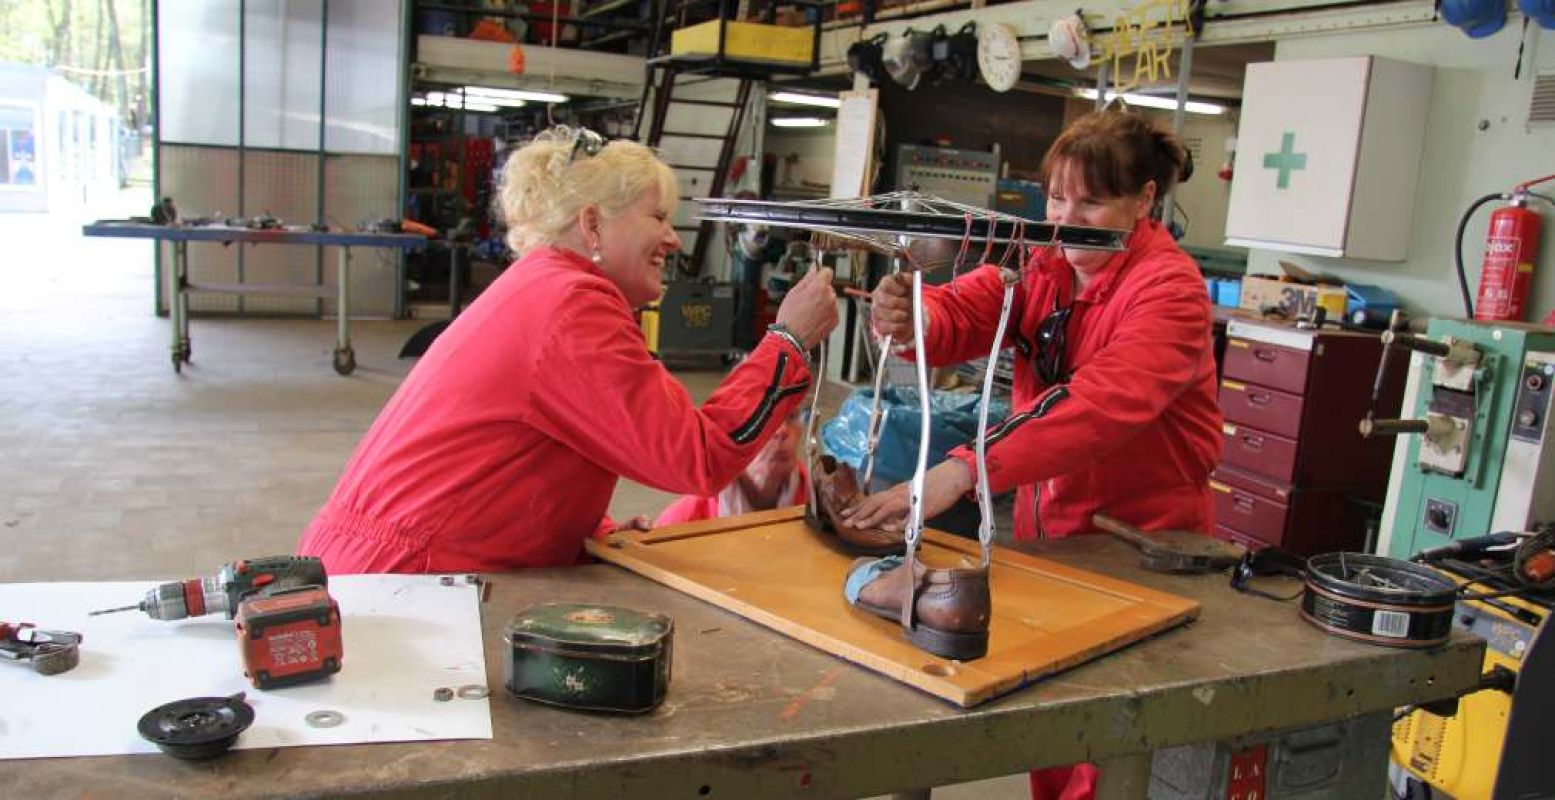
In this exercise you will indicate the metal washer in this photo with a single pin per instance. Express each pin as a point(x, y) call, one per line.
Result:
point(325, 718)
point(473, 691)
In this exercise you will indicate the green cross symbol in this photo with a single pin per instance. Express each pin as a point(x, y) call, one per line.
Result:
point(1286, 160)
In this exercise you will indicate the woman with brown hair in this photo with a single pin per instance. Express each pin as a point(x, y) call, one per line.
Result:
point(1114, 391)
point(502, 447)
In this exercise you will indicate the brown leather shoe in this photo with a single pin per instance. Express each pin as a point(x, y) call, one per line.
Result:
point(836, 486)
point(950, 609)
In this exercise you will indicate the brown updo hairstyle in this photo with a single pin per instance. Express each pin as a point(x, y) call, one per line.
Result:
point(1117, 152)
point(548, 182)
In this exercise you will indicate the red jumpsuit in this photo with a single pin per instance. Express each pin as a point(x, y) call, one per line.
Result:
point(1135, 430)
point(502, 447)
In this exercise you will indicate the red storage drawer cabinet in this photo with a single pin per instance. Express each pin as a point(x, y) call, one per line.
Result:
point(1278, 366)
point(1302, 520)
point(1294, 464)
point(1253, 449)
point(1246, 511)
point(1261, 407)
point(1237, 537)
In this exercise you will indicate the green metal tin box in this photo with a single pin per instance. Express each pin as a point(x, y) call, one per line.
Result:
point(600, 658)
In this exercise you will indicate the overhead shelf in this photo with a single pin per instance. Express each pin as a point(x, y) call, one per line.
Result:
point(454, 60)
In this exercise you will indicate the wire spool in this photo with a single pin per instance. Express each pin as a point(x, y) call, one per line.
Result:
point(197, 727)
point(1378, 600)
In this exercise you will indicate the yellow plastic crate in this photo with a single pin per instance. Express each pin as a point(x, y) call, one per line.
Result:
point(746, 41)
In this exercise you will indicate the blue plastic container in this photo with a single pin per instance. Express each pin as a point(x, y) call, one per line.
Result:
point(1228, 292)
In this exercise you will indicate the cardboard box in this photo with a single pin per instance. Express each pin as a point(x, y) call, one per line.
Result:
point(1295, 299)
point(1296, 293)
point(747, 41)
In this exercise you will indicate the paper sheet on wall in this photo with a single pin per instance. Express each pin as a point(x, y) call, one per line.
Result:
point(852, 161)
point(403, 635)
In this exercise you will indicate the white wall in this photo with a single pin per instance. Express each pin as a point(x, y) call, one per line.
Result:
point(1203, 199)
point(1473, 85)
point(812, 151)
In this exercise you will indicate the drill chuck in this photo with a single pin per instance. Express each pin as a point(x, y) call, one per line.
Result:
point(195, 597)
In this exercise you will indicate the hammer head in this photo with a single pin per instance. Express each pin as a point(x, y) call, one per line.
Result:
point(1174, 551)
point(1185, 551)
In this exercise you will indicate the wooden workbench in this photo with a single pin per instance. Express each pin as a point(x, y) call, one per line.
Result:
point(751, 713)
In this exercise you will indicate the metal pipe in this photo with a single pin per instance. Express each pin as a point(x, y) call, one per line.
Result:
point(318, 251)
point(1410, 341)
point(1392, 427)
point(1184, 70)
point(402, 118)
point(242, 134)
point(156, 139)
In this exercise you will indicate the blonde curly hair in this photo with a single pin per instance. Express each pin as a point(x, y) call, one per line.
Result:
point(548, 182)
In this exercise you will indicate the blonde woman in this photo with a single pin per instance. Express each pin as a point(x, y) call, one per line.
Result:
point(502, 447)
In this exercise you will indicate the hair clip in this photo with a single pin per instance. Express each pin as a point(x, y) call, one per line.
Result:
point(587, 141)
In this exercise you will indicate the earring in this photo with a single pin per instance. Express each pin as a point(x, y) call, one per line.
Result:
point(596, 256)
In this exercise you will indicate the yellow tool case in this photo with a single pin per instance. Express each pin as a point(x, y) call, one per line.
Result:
point(1472, 754)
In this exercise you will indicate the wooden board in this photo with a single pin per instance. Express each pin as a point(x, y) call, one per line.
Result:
point(772, 569)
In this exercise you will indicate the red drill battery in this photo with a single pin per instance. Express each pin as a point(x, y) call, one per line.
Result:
point(289, 636)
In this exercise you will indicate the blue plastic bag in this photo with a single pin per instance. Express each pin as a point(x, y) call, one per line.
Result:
point(952, 423)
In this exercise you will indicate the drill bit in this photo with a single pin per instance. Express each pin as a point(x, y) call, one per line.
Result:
point(136, 607)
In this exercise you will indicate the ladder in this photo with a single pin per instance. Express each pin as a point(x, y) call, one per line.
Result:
point(684, 129)
point(688, 149)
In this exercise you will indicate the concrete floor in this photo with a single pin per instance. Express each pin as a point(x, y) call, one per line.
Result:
point(115, 468)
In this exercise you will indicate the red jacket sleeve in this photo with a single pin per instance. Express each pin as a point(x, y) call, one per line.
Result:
point(964, 315)
point(1155, 354)
point(598, 391)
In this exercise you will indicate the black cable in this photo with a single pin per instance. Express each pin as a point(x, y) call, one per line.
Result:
point(1457, 249)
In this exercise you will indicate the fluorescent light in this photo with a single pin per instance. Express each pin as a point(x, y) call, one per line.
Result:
point(514, 94)
point(1152, 101)
point(805, 99)
point(446, 100)
point(453, 101)
point(798, 122)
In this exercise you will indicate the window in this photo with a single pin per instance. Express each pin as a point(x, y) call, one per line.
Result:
point(18, 150)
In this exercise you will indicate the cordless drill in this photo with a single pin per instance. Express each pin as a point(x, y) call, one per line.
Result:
point(288, 624)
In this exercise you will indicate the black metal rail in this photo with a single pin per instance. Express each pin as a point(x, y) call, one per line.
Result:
point(1004, 229)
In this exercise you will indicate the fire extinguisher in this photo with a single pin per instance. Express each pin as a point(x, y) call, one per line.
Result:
point(1511, 249)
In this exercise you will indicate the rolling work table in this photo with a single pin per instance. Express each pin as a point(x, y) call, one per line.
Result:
point(751, 713)
point(178, 287)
